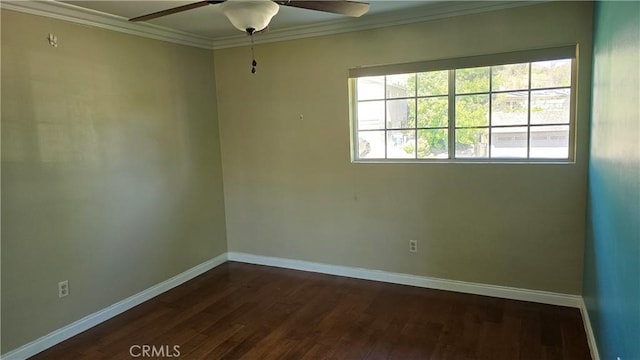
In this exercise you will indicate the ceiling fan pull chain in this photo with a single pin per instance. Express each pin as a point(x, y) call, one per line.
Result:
point(253, 56)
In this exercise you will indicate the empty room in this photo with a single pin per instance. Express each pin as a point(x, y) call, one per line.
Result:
point(320, 180)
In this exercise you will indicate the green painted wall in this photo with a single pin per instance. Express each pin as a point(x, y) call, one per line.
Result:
point(612, 256)
point(111, 173)
point(291, 190)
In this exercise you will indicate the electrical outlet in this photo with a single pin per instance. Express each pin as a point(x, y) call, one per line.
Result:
point(413, 246)
point(63, 288)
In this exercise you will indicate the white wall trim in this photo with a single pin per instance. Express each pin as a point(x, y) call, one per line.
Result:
point(505, 292)
point(591, 339)
point(107, 313)
point(77, 14)
point(80, 15)
point(439, 10)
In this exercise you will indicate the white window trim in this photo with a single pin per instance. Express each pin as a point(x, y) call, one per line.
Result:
point(554, 53)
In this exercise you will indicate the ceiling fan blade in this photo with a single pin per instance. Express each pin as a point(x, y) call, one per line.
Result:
point(174, 10)
point(349, 8)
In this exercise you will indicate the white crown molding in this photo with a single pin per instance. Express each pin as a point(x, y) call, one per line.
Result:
point(437, 10)
point(504, 292)
point(80, 15)
point(107, 313)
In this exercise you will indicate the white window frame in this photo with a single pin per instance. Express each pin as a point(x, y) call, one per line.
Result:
point(528, 56)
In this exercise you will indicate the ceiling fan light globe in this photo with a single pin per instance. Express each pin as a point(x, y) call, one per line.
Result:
point(249, 14)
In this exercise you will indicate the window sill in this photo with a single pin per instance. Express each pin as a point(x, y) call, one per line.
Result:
point(466, 161)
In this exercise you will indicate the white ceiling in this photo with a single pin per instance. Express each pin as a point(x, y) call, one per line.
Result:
point(209, 22)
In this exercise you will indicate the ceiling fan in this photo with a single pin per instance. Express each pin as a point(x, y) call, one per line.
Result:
point(254, 15)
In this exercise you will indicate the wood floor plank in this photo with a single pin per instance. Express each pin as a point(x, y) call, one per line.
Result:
point(240, 311)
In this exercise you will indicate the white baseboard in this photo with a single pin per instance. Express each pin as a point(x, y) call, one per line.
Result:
point(591, 339)
point(505, 292)
point(96, 318)
point(107, 313)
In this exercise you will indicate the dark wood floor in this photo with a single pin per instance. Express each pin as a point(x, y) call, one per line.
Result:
point(240, 311)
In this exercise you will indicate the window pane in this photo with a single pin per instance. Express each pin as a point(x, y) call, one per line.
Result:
point(402, 85)
point(472, 143)
point(510, 77)
point(371, 145)
point(371, 115)
point(433, 83)
point(401, 114)
point(505, 111)
point(550, 106)
point(371, 87)
point(509, 108)
point(472, 110)
point(401, 144)
point(472, 80)
point(433, 144)
point(554, 73)
point(551, 142)
point(433, 112)
point(509, 142)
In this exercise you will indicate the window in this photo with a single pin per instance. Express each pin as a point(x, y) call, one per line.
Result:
point(504, 107)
